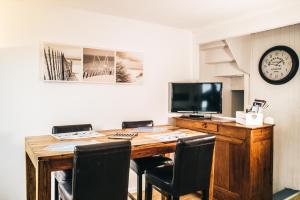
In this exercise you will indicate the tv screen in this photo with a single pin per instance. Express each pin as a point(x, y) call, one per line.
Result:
point(196, 97)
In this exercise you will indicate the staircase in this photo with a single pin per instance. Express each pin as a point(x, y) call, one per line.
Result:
point(230, 59)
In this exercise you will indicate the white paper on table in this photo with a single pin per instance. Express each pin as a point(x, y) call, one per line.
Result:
point(173, 136)
point(68, 146)
point(151, 129)
point(77, 135)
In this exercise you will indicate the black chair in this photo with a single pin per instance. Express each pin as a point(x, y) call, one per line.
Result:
point(71, 128)
point(191, 170)
point(137, 124)
point(66, 174)
point(101, 171)
point(139, 165)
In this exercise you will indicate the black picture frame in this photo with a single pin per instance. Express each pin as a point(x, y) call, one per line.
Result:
point(295, 64)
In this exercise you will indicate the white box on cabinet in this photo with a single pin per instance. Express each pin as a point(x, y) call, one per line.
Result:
point(251, 119)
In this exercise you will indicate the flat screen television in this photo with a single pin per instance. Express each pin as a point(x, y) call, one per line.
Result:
point(196, 97)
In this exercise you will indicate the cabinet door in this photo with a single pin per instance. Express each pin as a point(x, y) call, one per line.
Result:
point(261, 164)
point(231, 159)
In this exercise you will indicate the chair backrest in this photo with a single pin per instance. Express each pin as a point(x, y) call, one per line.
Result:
point(101, 171)
point(193, 163)
point(71, 128)
point(136, 124)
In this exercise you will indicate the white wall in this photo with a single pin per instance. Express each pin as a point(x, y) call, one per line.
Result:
point(207, 73)
point(253, 22)
point(30, 106)
point(284, 106)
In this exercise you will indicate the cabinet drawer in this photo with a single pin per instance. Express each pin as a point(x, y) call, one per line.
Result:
point(207, 126)
point(240, 133)
point(196, 125)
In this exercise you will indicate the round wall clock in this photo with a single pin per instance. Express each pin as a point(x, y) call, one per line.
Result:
point(278, 65)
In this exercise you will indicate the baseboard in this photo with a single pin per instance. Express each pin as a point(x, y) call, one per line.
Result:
point(290, 197)
point(285, 194)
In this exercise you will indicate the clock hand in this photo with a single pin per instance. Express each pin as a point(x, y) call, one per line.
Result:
point(276, 63)
point(279, 62)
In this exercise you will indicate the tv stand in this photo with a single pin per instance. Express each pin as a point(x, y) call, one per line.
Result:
point(196, 116)
point(243, 163)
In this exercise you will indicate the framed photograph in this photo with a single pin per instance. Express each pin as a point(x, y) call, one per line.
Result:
point(61, 62)
point(129, 67)
point(99, 65)
point(66, 63)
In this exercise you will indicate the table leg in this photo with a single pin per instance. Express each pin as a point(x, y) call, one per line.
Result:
point(43, 181)
point(163, 197)
point(30, 179)
point(168, 155)
point(212, 177)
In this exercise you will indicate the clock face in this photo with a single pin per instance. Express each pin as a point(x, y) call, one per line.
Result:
point(278, 65)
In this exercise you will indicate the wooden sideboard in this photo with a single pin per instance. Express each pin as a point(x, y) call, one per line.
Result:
point(243, 158)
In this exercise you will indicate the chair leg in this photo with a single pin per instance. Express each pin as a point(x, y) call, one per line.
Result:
point(205, 194)
point(131, 196)
point(56, 196)
point(139, 186)
point(163, 196)
point(175, 198)
point(148, 191)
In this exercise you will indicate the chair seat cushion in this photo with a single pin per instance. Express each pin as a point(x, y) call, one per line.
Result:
point(63, 175)
point(65, 190)
point(139, 165)
point(161, 177)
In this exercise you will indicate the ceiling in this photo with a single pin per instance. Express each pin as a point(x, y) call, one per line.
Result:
point(185, 14)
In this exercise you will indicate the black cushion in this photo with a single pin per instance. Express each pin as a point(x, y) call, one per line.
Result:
point(100, 172)
point(139, 165)
point(161, 176)
point(65, 190)
point(193, 163)
point(63, 175)
point(191, 170)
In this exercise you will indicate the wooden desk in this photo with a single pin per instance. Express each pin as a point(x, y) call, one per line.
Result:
point(243, 158)
point(40, 162)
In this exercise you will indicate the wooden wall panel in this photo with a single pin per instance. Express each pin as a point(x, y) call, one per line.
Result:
point(284, 107)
